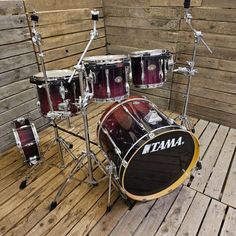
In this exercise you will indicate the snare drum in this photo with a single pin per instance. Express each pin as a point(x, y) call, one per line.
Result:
point(27, 140)
point(62, 94)
point(110, 77)
point(149, 68)
point(152, 154)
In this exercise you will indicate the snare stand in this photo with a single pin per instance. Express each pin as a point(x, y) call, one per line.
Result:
point(190, 71)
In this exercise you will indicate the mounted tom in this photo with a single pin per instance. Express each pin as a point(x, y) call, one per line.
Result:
point(150, 67)
point(110, 76)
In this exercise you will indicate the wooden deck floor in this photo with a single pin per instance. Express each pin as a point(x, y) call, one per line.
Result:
point(207, 207)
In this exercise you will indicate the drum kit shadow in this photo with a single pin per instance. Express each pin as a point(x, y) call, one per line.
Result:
point(147, 154)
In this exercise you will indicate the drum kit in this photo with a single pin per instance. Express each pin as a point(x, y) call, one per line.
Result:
point(147, 154)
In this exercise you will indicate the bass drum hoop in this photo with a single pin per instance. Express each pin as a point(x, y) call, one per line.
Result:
point(174, 185)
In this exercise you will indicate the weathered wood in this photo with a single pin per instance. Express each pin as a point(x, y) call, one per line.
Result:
point(155, 217)
point(222, 4)
point(131, 41)
point(15, 49)
point(108, 221)
point(129, 22)
point(157, 12)
point(213, 219)
point(200, 127)
point(163, 36)
point(132, 219)
point(229, 227)
point(177, 212)
point(45, 5)
point(194, 216)
point(229, 194)
point(211, 27)
point(173, 3)
point(137, 3)
point(13, 7)
point(20, 35)
point(12, 22)
point(16, 62)
point(210, 158)
point(215, 184)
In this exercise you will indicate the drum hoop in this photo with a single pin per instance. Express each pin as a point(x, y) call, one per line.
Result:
point(114, 108)
point(152, 53)
point(173, 186)
point(147, 86)
point(115, 99)
point(111, 59)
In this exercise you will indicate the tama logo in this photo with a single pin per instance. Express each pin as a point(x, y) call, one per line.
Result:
point(162, 145)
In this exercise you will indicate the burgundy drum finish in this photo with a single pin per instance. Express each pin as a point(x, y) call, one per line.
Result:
point(149, 68)
point(110, 80)
point(56, 79)
point(124, 135)
point(26, 139)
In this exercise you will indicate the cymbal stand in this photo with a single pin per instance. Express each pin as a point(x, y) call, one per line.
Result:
point(190, 71)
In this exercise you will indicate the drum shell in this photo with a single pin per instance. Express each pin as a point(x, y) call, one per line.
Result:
point(73, 92)
point(131, 165)
point(110, 79)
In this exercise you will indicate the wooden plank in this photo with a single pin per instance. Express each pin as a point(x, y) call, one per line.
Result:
point(109, 220)
point(215, 40)
point(67, 28)
point(177, 212)
point(210, 158)
point(70, 50)
point(68, 39)
point(18, 111)
point(45, 5)
point(16, 100)
point(137, 3)
point(155, 217)
point(13, 7)
point(213, 219)
point(129, 22)
point(12, 22)
point(17, 75)
point(93, 215)
point(173, 3)
point(16, 62)
point(213, 13)
point(15, 49)
point(143, 34)
point(14, 88)
point(217, 179)
point(132, 41)
point(229, 227)
point(71, 61)
point(229, 194)
point(157, 12)
point(219, 52)
point(20, 35)
point(117, 49)
point(222, 4)
point(200, 127)
point(194, 216)
point(212, 63)
point(132, 219)
point(211, 26)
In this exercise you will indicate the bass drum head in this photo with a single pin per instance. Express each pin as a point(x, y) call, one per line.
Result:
point(160, 165)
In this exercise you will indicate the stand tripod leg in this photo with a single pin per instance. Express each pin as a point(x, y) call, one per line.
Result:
point(109, 193)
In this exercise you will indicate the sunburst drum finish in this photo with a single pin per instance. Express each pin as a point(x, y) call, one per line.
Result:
point(148, 166)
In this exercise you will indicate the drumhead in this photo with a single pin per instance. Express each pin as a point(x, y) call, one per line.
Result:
point(52, 75)
point(159, 165)
point(155, 52)
point(106, 59)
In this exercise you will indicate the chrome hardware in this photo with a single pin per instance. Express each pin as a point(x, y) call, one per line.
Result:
point(107, 81)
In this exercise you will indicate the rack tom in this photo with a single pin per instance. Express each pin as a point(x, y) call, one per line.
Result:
point(149, 68)
point(110, 75)
point(63, 95)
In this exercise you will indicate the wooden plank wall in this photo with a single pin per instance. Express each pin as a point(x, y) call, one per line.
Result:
point(17, 64)
point(65, 28)
point(140, 24)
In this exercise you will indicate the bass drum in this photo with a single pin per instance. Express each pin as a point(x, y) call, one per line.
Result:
point(152, 154)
